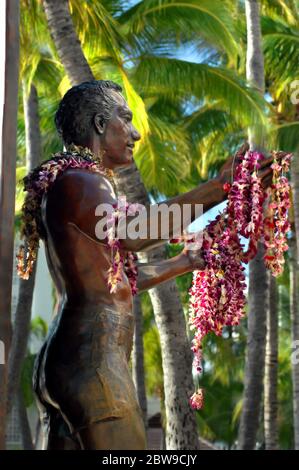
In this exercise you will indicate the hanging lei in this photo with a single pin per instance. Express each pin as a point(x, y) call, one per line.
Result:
point(121, 262)
point(217, 294)
point(37, 183)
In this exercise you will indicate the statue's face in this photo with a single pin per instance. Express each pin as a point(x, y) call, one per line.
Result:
point(119, 135)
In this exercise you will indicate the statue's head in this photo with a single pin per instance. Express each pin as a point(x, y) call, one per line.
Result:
point(96, 111)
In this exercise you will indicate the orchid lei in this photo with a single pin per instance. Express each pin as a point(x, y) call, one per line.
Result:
point(217, 294)
point(37, 183)
point(276, 224)
point(120, 262)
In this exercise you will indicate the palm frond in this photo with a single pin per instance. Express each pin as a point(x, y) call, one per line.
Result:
point(286, 136)
point(281, 50)
point(35, 39)
point(97, 29)
point(189, 19)
point(163, 158)
point(206, 119)
point(281, 9)
point(20, 194)
point(173, 77)
point(207, 127)
point(136, 104)
point(237, 411)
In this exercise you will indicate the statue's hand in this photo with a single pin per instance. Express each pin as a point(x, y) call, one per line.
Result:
point(228, 169)
point(265, 172)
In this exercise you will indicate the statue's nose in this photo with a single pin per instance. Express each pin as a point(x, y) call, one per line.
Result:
point(135, 134)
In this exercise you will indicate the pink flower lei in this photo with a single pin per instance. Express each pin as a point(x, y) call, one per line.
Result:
point(37, 183)
point(121, 263)
point(276, 224)
point(217, 296)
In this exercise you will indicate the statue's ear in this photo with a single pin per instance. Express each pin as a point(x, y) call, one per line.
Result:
point(99, 123)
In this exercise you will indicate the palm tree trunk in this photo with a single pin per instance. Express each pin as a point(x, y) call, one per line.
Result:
point(294, 308)
point(181, 430)
point(255, 356)
point(8, 122)
point(181, 427)
point(21, 326)
point(130, 184)
point(32, 129)
point(138, 359)
point(24, 422)
point(258, 279)
point(66, 41)
point(271, 370)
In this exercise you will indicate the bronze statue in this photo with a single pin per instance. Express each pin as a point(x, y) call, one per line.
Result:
point(85, 392)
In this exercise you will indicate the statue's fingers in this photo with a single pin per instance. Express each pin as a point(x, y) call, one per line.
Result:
point(268, 161)
point(242, 150)
point(266, 177)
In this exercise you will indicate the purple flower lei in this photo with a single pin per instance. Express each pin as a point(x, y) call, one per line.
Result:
point(120, 262)
point(37, 183)
point(217, 294)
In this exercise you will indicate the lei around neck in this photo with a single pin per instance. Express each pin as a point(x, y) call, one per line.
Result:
point(37, 183)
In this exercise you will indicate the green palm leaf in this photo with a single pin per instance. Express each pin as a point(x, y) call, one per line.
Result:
point(20, 194)
point(173, 78)
point(205, 120)
point(281, 49)
point(207, 127)
point(35, 39)
point(189, 19)
point(98, 30)
point(286, 136)
point(137, 106)
point(164, 156)
point(281, 9)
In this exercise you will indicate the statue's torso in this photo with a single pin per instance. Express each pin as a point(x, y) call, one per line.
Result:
point(92, 332)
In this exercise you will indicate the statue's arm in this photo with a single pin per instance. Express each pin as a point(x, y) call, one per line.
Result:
point(80, 192)
point(154, 273)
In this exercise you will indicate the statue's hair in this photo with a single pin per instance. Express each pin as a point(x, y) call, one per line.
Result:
point(74, 117)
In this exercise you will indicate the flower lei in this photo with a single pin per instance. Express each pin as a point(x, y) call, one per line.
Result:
point(120, 262)
point(276, 224)
point(217, 294)
point(37, 183)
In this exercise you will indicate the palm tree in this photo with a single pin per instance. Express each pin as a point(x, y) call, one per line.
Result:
point(63, 33)
point(181, 439)
point(190, 380)
point(21, 326)
point(281, 35)
point(201, 77)
point(258, 280)
point(7, 193)
point(138, 358)
point(271, 369)
point(181, 430)
point(282, 71)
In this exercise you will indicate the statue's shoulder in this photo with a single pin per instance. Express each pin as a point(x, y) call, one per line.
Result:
point(77, 188)
point(83, 182)
point(71, 169)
